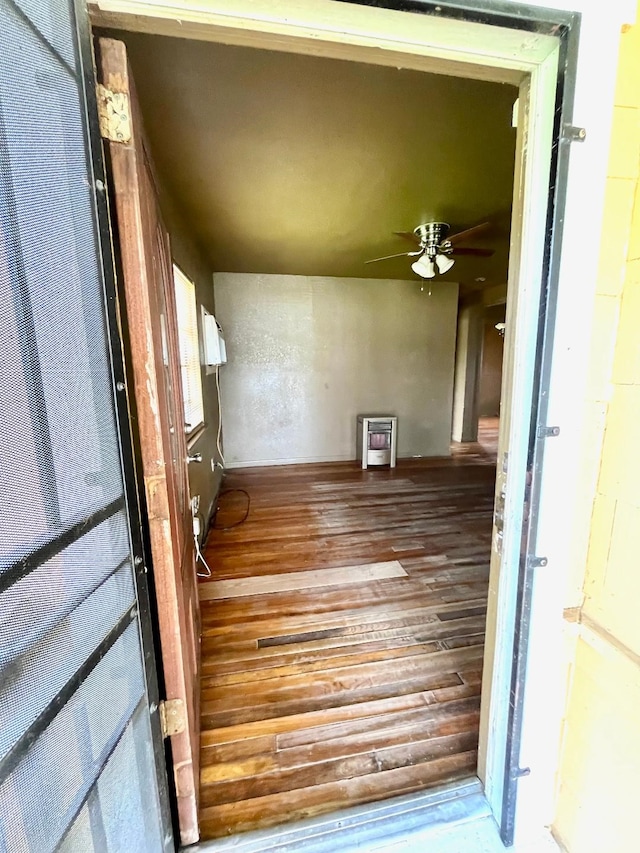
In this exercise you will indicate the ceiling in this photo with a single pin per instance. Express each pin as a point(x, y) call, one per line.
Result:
point(291, 164)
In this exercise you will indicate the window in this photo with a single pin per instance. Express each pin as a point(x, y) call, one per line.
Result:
point(189, 351)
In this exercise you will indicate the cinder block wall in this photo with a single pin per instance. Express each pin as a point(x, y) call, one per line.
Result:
point(600, 755)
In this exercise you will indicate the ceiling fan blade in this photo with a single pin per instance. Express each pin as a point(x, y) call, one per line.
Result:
point(400, 255)
point(408, 235)
point(469, 232)
point(468, 250)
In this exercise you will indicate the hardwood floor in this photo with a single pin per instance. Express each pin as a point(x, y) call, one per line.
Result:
point(321, 698)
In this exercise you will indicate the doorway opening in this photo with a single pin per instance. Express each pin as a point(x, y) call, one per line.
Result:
point(265, 645)
point(366, 684)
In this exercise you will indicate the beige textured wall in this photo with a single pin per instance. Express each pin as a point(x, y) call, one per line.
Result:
point(600, 759)
point(308, 354)
point(491, 370)
point(467, 373)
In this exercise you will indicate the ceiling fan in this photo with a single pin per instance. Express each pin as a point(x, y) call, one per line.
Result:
point(435, 247)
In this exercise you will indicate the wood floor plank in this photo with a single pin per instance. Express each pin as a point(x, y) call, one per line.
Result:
point(278, 780)
point(214, 715)
point(308, 657)
point(438, 712)
point(212, 736)
point(268, 810)
point(317, 698)
point(248, 663)
point(306, 579)
point(383, 616)
point(335, 679)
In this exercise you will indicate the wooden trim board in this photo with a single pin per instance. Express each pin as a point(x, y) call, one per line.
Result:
point(287, 581)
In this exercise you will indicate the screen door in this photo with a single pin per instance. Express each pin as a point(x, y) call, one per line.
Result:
point(81, 765)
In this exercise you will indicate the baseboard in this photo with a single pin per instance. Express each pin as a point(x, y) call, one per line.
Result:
point(295, 460)
point(308, 460)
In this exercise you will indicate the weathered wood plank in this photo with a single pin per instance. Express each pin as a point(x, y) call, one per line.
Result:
point(319, 698)
point(302, 803)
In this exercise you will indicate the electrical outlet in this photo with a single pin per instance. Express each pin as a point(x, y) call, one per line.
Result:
point(195, 504)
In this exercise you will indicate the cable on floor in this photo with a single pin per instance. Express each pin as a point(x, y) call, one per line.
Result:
point(246, 514)
point(199, 555)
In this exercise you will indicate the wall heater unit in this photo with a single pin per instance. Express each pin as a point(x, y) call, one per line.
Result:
point(376, 440)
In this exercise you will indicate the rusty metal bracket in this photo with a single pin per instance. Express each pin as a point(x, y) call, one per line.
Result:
point(172, 717)
point(114, 114)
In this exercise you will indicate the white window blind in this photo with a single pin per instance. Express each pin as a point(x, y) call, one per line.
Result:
point(189, 350)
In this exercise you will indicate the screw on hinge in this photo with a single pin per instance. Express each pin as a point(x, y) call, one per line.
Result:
point(571, 133)
point(537, 562)
point(548, 431)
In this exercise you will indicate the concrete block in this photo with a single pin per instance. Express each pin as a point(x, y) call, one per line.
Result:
point(633, 252)
point(628, 80)
point(620, 466)
point(615, 239)
point(624, 156)
point(599, 764)
point(626, 366)
point(603, 344)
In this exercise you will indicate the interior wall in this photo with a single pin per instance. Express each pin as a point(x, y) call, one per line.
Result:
point(467, 373)
point(204, 477)
point(306, 355)
point(491, 370)
point(601, 740)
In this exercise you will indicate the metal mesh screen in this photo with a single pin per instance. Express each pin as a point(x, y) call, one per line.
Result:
point(76, 759)
point(91, 738)
point(139, 831)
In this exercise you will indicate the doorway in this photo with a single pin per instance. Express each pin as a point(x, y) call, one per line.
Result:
point(528, 297)
point(306, 354)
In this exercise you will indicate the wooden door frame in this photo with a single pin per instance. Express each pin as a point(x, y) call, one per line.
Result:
point(148, 323)
point(489, 40)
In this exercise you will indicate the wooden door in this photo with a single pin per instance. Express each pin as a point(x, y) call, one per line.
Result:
point(149, 315)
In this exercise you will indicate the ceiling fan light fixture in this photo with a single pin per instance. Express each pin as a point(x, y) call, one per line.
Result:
point(444, 263)
point(424, 267)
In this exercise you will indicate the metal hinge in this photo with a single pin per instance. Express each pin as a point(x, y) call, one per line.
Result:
point(173, 718)
point(548, 432)
point(519, 772)
point(537, 562)
point(571, 133)
point(114, 114)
